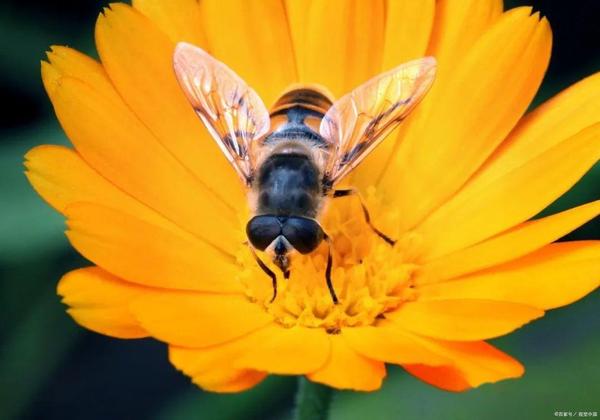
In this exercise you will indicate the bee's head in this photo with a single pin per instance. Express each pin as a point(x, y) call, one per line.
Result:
point(280, 235)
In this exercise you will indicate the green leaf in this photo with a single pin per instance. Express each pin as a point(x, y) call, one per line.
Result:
point(28, 225)
point(24, 39)
point(32, 350)
point(256, 403)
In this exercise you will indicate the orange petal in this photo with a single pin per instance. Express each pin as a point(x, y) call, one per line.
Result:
point(148, 253)
point(138, 58)
point(347, 369)
point(468, 113)
point(198, 319)
point(473, 364)
point(135, 162)
point(388, 343)
point(553, 276)
point(509, 245)
point(253, 38)
point(62, 178)
point(338, 43)
point(447, 378)
point(280, 350)
point(65, 61)
point(408, 25)
point(243, 381)
point(463, 319)
point(179, 19)
point(100, 301)
point(480, 212)
point(211, 368)
point(66, 64)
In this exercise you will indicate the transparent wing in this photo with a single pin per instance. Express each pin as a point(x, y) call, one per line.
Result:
point(356, 123)
point(231, 111)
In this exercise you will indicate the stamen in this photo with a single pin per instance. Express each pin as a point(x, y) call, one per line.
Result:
point(369, 276)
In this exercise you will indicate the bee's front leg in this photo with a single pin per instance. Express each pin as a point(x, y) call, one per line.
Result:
point(267, 271)
point(352, 191)
point(328, 271)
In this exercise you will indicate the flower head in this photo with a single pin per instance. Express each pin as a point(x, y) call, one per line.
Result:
point(151, 201)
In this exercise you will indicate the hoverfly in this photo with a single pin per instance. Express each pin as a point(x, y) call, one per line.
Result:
point(292, 158)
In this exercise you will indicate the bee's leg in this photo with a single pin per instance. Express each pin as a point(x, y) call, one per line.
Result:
point(345, 193)
point(267, 271)
point(328, 271)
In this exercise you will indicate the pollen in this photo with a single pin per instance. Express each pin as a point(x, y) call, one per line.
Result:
point(370, 277)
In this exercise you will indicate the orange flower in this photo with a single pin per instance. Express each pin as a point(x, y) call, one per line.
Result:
point(154, 205)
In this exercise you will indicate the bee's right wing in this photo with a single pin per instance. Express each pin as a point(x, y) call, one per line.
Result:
point(231, 111)
point(359, 121)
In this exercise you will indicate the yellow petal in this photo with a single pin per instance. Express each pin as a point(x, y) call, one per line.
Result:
point(211, 368)
point(198, 319)
point(457, 25)
point(470, 112)
point(480, 212)
point(388, 343)
point(100, 301)
point(347, 369)
point(561, 117)
point(463, 319)
point(135, 162)
point(408, 25)
point(148, 253)
point(253, 38)
point(473, 364)
point(138, 58)
point(509, 245)
point(285, 351)
point(179, 19)
point(553, 276)
point(337, 43)
point(550, 125)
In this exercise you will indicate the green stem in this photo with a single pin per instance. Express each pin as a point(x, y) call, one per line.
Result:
point(312, 400)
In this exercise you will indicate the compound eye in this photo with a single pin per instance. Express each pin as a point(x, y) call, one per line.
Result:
point(303, 233)
point(262, 230)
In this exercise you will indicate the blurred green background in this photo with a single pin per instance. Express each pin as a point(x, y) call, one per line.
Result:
point(52, 369)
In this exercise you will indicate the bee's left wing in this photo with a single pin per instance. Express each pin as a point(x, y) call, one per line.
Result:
point(357, 122)
point(231, 111)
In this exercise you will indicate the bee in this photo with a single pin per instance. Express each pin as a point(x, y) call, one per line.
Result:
point(292, 158)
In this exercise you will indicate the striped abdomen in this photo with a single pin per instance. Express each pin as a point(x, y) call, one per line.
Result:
point(298, 114)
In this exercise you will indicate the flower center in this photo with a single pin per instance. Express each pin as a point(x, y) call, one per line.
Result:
point(370, 277)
